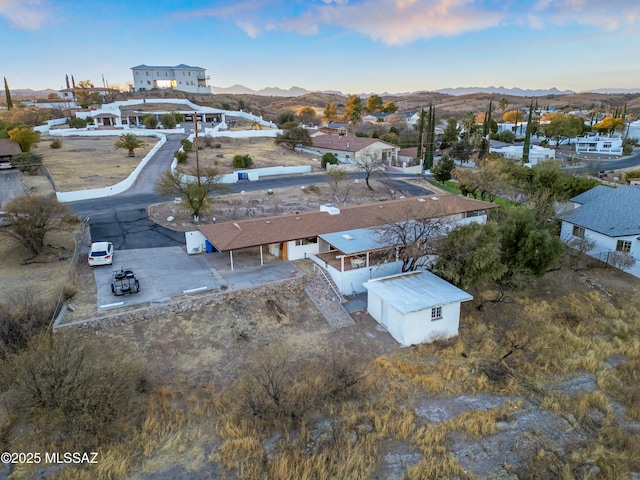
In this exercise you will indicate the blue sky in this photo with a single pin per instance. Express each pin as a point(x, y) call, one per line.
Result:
point(354, 46)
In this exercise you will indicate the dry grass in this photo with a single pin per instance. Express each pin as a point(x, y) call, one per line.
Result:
point(83, 163)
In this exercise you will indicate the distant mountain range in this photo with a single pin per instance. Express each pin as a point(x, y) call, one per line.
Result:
point(518, 92)
point(298, 91)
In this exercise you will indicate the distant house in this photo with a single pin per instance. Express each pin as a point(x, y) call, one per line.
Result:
point(376, 117)
point(537, 153)
point(597, 144)
point(70, 94)
point(349, 149)
point(415, 307)
point(610, 217)
point(181, 77)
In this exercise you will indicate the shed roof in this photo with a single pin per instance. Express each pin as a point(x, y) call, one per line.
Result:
point(415, 291)
point(227, 236)
point(8, 148)
point(357, 240)
point(614, 212)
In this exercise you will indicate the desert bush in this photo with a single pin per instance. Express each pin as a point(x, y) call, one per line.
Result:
point(277, 389)
point(150, 121)
point(328, 159)
point(69, 291)
point(207, 141)
point(181, 156)
point(629, 174)
point(57, 143)
point(168, 120)
point(22, 315)
point(312, 188)
point(27, 162)
point(75, 394)
point(242, 161)
point(187, 145)
point(77, 123)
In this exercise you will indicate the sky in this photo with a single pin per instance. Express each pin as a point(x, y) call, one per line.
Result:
point(352, 46)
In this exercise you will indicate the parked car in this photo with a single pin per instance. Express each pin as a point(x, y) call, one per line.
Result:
point(101, 254)
point(5, 164)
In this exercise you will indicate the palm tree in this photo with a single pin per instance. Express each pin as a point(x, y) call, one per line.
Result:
point(130, 142)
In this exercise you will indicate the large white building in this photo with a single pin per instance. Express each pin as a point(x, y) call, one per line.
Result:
point(181, 77)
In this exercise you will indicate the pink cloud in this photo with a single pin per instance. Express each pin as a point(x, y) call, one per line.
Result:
point(23, 14)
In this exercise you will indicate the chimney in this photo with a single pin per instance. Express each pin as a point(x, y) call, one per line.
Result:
point(67, 79)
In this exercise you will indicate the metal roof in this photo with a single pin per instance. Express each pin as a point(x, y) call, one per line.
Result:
point(354, 241)
point(415, 291)
point(614, 212)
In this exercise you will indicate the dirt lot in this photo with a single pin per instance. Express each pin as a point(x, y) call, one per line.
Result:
point(263, 151)
point(83, 163)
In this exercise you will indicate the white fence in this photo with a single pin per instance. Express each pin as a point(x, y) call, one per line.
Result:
point(50, 123)
point(251, 175)
point(213, 132)
point(118, 187)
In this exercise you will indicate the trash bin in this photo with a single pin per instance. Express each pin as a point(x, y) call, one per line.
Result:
point(209, 246)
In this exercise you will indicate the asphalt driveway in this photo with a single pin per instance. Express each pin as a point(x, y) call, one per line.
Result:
point(131, 229)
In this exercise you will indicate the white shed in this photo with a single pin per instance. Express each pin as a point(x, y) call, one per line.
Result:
point(415, 307)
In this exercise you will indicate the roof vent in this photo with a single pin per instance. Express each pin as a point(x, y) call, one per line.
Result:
point(330, 209)
point(346, 236)
point(380, 206)
point(297, 218)
point(421, 200)
point(268, 222)
point(435, 198)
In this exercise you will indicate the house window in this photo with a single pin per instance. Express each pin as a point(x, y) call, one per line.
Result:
point(578, 231)
point(436, 313)
point(306, 241)
point(623, 246)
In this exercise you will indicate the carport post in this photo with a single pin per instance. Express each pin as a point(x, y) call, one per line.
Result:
point(261, 257)
point(231, 257)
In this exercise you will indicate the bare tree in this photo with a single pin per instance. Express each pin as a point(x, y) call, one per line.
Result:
point(579, 248)
point(194, 189)
point(338, 180)
point(621, 260)
point(31, 218)
point(371, 162)
point(412, 241)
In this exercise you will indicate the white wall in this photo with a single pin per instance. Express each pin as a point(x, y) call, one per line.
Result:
point(118, 187)
point(212, 132)
point(415, 327)
point(296, 252)
point(253, 174)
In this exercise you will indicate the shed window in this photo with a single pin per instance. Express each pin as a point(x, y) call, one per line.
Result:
point(436, 313)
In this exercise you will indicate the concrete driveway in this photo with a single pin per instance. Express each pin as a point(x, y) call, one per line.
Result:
point(10, 186)
point(162, 272)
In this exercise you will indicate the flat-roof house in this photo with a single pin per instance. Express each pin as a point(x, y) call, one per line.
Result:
point(415, 307)
point(610, 217)
point(350, 149)
point(181, 77)
point(597, 144)
point(339, 240)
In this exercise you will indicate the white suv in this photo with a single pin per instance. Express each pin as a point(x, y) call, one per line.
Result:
point(101, 254)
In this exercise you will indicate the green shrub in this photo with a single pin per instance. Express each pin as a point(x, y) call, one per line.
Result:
point(362, 134)
point(180, 156)
point(77, 123)
point(168, 120)
point(328, 158)
point(242, 161)
point(57, 143)
point(629, 174)
point(187, 145)
point(150, 121)
point(506, 136)
point(28, 162)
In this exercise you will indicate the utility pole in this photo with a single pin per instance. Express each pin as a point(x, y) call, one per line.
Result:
point(195, 143)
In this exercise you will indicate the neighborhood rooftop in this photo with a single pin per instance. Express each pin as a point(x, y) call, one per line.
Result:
point(262, 231)
point(9, 148)
point(344, 143)
point(597, 213)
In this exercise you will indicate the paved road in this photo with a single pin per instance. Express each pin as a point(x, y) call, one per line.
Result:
point(10, 186)
point(615, 164)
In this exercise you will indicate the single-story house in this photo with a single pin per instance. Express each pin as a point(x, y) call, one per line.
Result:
point(376, 117)
point(8, 149)
point(610, 217)
point(415, 307)
point(352, 261)
point(536, 153)
point(349, 149)
point(597, 144)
